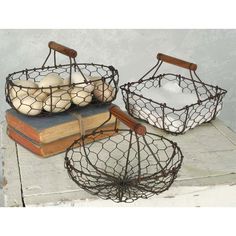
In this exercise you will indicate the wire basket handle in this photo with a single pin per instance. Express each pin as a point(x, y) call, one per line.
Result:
point(62, 49)
point(56, 47)
point(127, 120)
point(71, 53)
point(177, 62)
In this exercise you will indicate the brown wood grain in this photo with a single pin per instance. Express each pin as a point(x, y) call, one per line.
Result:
point(177, 62)
point(127, 120)
point(62, 49)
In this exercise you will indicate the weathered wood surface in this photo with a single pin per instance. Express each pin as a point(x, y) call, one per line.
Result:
point(207, 177)
point(11, 177)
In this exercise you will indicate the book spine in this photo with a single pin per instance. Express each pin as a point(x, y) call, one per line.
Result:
point(50, 149)
point(23, 127)
point(24, 142)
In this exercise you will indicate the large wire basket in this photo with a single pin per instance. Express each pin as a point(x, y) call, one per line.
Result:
point(124, 166)
point(202, 102)
point(54, 89)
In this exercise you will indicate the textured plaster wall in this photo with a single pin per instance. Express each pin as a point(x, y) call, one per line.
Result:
point(132, 52)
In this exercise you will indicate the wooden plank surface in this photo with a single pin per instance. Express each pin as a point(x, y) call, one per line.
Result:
point(11, 176)
point(210, 160)
point(184, 196)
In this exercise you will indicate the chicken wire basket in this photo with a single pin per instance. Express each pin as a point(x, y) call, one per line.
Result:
point(54, 89)
point(177, 103)
point(126, 165)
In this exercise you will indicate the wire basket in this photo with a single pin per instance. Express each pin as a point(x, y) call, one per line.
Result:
point(201, 102)
point(58, 88)
point(124, 167)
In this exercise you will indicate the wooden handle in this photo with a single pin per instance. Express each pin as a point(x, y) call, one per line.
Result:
point(62, 49)
point(176, 61)
point(127, 120)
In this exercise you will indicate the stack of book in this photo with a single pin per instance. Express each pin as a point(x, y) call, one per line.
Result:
point(50, 135)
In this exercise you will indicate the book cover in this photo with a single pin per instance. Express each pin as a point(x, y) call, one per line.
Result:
point(46, 129)
point(55, 147)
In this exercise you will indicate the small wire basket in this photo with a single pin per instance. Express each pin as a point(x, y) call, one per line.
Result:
point(201, 102)
point(126, 165)
point(54, 89)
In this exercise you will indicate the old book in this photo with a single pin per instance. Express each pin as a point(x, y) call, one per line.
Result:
point(58, 146)
point(47, 129)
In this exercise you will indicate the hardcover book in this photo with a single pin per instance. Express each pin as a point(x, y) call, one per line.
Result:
point(46, 129)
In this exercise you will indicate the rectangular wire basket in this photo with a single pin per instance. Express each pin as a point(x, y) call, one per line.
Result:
point(206, 106)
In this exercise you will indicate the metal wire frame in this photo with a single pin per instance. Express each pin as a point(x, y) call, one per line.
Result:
point(109, 76)
point(160, 115)
point(123, 167)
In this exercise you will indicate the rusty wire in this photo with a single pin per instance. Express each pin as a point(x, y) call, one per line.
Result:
point(160, 115)
point(123, 166)
point(34, 101)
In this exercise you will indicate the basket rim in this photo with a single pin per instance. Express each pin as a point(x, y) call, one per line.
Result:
point(146, 192)
point(110, 67)
point(174, 144)
point(125, 87)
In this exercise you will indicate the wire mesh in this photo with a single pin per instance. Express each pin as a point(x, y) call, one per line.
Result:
point(123, 167)
point(50, 89)
point(208, 104)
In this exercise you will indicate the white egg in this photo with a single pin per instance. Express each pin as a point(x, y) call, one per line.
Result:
point(16, 91)
point(172, 87)
point(104, 92)
point(80, 97)
point(52, 79)
point(28, 105)
point(96, 79)
point(40, 95)
point(66, 81)
point(66, 85)
point(78, 79)
point(58, 101)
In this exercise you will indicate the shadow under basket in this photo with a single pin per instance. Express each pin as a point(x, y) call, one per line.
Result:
point(25, 92)
point(207, 105)
point(127, 165)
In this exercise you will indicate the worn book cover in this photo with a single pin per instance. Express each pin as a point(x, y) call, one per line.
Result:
point(47, 129)
point(58, 146)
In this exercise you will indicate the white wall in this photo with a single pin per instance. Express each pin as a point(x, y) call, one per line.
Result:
point(132, 52)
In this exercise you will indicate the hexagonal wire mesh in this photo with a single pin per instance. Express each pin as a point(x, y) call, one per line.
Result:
point(209, 99)
point(49, 89)
point(126, 165)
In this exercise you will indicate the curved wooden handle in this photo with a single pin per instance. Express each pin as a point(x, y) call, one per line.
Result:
point(62, 49)
point(127, 120)
point(176, 61)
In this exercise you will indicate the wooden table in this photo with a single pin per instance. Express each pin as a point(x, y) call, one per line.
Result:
point(207, 177)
